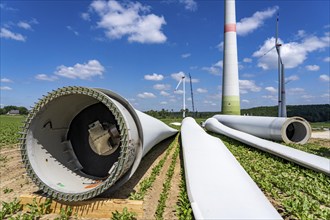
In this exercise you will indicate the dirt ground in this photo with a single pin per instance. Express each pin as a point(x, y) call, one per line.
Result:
point(14, 181)
point(321, 134)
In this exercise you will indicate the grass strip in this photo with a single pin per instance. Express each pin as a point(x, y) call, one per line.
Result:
point(166, 185)
point(183, 210)
point(146, 183)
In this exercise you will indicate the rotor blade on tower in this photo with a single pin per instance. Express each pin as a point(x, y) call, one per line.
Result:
point(178, 84)
point(277, 20)
point(268, 51)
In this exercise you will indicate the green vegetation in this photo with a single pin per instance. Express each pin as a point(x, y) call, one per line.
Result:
point(36, 211)
point(318, 147)
point(7, 190)
point(65, 214)
point(312, 113)
point(166, 185)
point(9, 128)
point(10, 208)
point(3, 159)
point(320, 125)
point(124, 215)
point(297, 192)
point(147, 182)
point(184, 210)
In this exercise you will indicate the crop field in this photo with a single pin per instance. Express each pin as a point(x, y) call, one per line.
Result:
point(296, 192)
point(9, 128)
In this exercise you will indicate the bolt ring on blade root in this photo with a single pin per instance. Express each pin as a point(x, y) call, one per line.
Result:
point(47, 152)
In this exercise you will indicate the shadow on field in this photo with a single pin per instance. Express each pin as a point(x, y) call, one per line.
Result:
point(124, 191)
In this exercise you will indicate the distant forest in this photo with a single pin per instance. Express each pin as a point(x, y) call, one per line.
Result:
point(312, 113)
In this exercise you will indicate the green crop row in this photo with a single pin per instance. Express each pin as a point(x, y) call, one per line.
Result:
point(166, 185)
point(10, 210)
point(147, 182)
point(298, 192)
point(184, 210)
point(9, 128)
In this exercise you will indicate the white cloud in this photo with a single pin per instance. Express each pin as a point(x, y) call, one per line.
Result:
point(129, 19)
point(146, 95)
point(324, 78)
point(327, 59)
point(201, 90)
point(5, 88)
point(190, 5)
point(178, 76)
point(163, 93)
point(6, 80)
point(301, 33)
point(178, 92)
point(291, 78)
point(220, 46)
point(248, 25)
point(24, 25)
point(85, 16)
point(307, 96)
point(81, 71)
point(271, 89)
point(5, 33)
point(292, 53)
point(45, 77)
point(245, 101)
point(247, 60)
point(248, 85)
point(215, 69)
point(294, 91)
point(163, 103)
point(209, 102)
point(162, 86)
point(72, 30)
point(248, 75)
point(154, 77)
point(312, 67)
point(185, 55)
point(270, 97)
point(5, 7)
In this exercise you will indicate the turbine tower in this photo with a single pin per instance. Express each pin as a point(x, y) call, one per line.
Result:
point(281, 77)
point(183, 81)
point(230, 85)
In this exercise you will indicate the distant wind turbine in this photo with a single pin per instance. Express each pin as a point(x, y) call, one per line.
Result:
point(281, 77)
point(183, 81)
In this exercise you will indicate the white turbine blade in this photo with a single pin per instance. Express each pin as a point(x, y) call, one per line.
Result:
point(178, 84)
point(268, 51)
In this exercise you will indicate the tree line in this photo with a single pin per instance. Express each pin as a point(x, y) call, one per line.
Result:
point(312, 113)
point(22, 110)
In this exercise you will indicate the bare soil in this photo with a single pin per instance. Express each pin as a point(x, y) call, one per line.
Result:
point(321, 134)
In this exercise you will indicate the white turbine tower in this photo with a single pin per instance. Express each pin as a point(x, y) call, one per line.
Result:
point(183, 81)
point(230, 83)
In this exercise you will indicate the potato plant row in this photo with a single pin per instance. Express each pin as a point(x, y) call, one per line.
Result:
point(147, 183)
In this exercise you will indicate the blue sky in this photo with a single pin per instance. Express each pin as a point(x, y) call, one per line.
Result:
point(140, 49)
